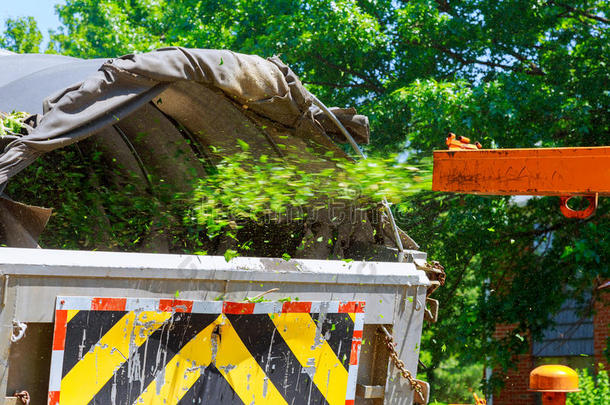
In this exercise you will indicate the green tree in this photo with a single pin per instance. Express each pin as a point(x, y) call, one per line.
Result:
point(594, 389)
point(515, 73)
point(21, 35)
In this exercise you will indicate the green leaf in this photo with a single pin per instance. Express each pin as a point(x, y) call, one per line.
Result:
point(243, 145)
point(230, 254)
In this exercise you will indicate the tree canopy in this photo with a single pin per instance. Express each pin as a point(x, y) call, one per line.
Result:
point(516, 73)
point(21, 35)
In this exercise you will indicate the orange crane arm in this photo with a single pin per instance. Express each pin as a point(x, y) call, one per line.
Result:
point(564, 172)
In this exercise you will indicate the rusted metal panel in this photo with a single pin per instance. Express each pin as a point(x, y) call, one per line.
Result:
point(544, 171)
point(370, 391)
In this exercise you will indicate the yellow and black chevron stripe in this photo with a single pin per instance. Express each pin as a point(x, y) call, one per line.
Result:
point(149, 351)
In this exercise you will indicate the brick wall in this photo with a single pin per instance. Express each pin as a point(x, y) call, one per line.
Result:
point(515, 391)
point(516, 384)
point(601, 325)
point(517, 381)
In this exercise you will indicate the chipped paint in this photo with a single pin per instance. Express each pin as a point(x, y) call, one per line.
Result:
point(152, 369)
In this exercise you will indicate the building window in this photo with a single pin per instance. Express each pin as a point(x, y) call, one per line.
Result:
point(571, 335)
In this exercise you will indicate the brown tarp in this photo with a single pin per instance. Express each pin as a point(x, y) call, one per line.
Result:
point(121, 86)
point(191, 105)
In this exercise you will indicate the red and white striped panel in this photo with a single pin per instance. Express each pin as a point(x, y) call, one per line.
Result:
point(57, 355)
point(206, 307)
point(356, 308)
point(64, 304)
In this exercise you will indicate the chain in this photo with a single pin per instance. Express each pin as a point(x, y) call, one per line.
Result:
point(389, 340)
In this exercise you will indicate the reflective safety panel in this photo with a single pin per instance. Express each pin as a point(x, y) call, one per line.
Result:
point(125, 351)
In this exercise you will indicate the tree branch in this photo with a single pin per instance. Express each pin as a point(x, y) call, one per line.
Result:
point(535, 69)
point(581, 12)
point(443, 5)
point(538, 232)
point(342, 86)
point(459, 279)
point(376, 86)
point(470, 61)
point(558, 225)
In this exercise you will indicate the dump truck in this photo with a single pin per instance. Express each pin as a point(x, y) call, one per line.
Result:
point(118, 318)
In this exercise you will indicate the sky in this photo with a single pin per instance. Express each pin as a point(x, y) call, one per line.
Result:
point(42, 10)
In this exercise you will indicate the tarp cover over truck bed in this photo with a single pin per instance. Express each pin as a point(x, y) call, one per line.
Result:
point(190, 103)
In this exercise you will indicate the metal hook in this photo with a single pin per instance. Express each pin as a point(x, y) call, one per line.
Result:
point(21, 327)
point(580, 214)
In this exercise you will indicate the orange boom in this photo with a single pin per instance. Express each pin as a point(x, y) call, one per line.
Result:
point(564, 172)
